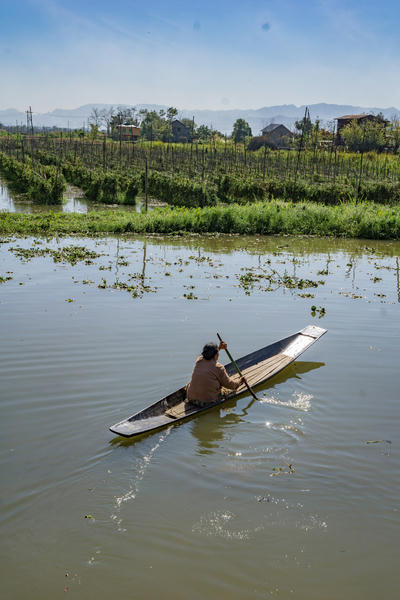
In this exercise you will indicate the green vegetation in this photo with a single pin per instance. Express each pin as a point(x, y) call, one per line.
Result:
point(179, 191)
point(40, 183)
point(182, 186)
point(108, 187)
point(362, 220)
point(213, 187)
point(205, 174)
point(365, 137)
point(241, 130)
point(66, 254)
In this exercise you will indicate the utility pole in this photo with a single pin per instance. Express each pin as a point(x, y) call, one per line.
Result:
point(29, 122)
point(120, 138)
point(146, 184)
point(306, 120)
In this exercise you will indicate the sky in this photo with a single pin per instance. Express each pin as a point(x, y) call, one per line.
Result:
point(209, 54)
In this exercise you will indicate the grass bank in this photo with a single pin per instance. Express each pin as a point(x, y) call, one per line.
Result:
point(363, 220)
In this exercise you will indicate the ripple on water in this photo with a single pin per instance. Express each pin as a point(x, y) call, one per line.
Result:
point(312, 522)
point(220, 524)
point(300, 401)
point(139, 471)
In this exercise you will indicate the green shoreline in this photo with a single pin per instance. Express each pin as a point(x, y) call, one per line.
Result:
point(355, 220)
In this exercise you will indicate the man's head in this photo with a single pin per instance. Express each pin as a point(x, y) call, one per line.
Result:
point(210, 351)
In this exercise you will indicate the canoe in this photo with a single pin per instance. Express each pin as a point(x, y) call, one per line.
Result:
point(257, 367)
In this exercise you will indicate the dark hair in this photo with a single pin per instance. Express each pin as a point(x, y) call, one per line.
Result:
point(210, 350)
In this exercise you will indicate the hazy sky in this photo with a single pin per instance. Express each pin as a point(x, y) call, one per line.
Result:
point(199, 54)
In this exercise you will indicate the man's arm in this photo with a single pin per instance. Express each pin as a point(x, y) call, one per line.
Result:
point(226, 381)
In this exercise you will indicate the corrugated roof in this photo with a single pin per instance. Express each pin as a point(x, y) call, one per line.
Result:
point(271, 127)
point(354, 116)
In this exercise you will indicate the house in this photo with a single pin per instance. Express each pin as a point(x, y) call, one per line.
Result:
point(359, 119)
point(180, 133)
point(277, 134)
point(128, 132)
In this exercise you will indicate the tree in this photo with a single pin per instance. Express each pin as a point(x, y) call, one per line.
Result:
point(305, 125)
point(394, 134)
point(364, 137)
point(204, 133)
point(106, 116)
point(154, 126)
point(241, 130)
point(171, 113)
point(95, 117)
point(94, 131)
point(315, 134)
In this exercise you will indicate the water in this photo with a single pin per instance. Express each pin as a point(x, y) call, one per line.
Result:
point(74, 202)
point(200, 509)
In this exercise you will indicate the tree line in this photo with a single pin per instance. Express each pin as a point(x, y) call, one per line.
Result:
point(374, 135)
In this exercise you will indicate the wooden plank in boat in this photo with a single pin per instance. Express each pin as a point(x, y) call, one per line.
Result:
point(183, 409)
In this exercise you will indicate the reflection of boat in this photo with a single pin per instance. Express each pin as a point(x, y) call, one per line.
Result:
point(259, 366)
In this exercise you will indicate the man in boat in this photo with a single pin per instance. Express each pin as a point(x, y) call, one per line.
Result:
point(209, 377)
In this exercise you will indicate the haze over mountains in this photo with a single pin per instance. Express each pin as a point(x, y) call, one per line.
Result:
point(222, 120)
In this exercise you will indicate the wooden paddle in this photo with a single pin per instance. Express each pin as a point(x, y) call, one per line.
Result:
point(237, 369)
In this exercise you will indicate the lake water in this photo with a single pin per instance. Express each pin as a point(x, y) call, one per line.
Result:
point(195, 511)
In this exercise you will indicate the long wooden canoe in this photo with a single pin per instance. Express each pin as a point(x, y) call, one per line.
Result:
point(257, 367)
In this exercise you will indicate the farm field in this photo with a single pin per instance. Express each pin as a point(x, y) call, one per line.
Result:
point(205, 174)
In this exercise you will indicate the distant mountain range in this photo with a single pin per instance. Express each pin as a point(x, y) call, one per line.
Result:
point(222, 120)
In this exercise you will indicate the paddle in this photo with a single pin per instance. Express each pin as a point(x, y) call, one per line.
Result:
point(237, 369)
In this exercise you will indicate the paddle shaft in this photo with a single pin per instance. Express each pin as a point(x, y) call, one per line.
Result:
point(237, 369)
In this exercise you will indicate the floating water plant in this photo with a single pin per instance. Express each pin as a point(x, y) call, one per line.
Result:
point(320, 310)
point(282, 470)
point(67, 254)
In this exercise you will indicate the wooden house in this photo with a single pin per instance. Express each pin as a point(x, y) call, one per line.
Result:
point(128, 132)
point(277, 135)
point(180, 133)
point(359, 119)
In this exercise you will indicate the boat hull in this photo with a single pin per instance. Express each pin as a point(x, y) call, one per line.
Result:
point(258, 367)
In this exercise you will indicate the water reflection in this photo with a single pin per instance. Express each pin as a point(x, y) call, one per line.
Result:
point(75, 205)
point(210, 428)
point(73, 202)
point(6, 202)
point(293, 249)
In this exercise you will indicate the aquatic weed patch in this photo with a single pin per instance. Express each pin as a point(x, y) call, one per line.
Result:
point(136, 285)
point(249, 279)
point(66, 254)
point(4, 279)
